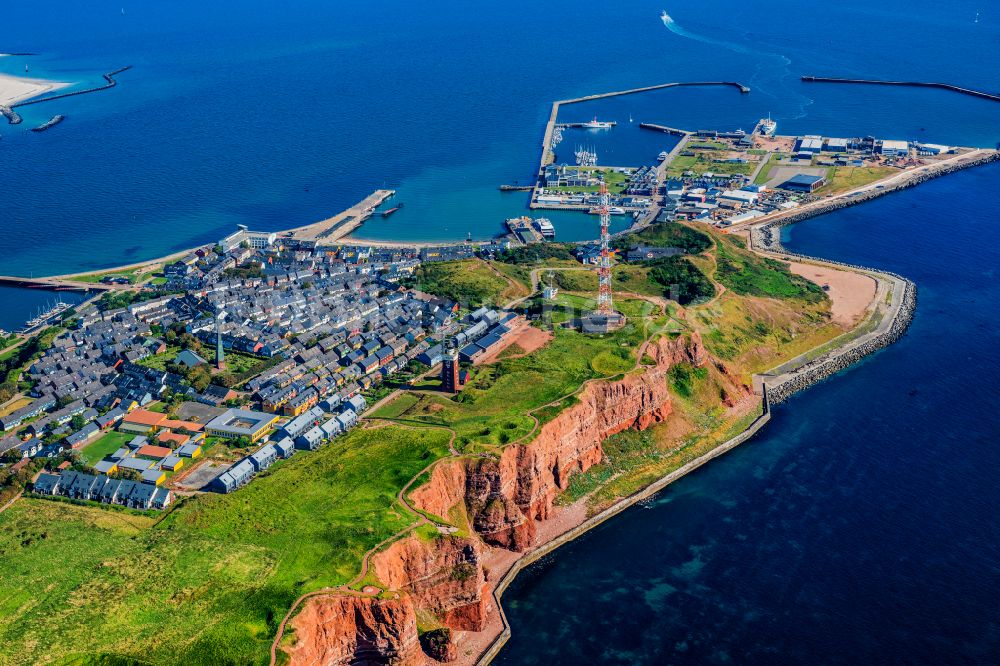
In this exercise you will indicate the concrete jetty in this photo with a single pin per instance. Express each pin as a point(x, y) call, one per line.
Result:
point(912, 84)
point(53, 284)
point(109, 77)
point(666, 130)
point(548, 156)
point(343, 223)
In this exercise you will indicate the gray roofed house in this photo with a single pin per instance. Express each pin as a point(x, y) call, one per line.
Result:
point(171, 462)
point(332, 427)
point(285, 447)
point(234, 478)
point(104, 466)
point(348, 419)
point(302, 422)
point(162, 498)
point(263, 457)
point(187, 450)
point(138, 464)
point(310, 440)
point(357, 403)
point(47, 484)
point(152, 475)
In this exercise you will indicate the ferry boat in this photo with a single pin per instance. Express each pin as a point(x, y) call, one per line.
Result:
point(597, 124)
point(767, 126)
point(663, 155)
point(614, 210)
point(545, 227)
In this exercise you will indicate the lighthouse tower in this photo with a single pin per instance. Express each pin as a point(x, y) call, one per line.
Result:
point(451, 381)
point(220, 358)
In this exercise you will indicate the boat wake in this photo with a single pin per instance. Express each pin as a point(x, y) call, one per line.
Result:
point(781, 62)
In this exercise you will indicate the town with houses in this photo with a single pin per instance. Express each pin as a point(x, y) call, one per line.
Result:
point(317, 328)
point(266, 344)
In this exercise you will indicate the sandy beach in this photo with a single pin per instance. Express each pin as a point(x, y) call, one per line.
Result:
point(15, 89)
point(850, 293)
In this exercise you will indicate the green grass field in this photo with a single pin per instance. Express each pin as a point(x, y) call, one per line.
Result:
point(469, 281)
point(613, 179)
point(492, 410)
point(748, 274)
point(842, 179)
point(703, 162)
point(159, 361)
point(209, 583)
point(105, 446)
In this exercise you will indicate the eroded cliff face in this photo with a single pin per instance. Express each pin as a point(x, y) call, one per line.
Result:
point(442, 576)
point(504, 498)
point(356, 631)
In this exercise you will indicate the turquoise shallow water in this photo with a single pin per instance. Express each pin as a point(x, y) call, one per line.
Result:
point(276, 116)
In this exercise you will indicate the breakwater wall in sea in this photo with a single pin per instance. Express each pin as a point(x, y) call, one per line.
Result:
point(109, 77)
point(767, 238)
point(910, 84)
point(12, 116)
point(820, 369)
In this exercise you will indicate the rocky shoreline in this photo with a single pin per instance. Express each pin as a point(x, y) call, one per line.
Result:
point(766, 238)
point(929, 173)
point(507, 498)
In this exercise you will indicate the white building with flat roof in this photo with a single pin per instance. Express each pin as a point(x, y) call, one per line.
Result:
point(890, 147)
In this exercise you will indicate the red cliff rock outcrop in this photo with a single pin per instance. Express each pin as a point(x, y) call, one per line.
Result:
point(504, 497)
point(356, 631)
point(442, 576)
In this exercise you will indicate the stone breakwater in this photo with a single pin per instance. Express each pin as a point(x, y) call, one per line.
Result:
point(822, 368)
point(844, 202)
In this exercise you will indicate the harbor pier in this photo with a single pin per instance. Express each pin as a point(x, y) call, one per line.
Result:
point(53, 284)
point(343, 223)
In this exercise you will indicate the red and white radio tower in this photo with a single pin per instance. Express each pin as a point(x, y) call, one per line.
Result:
point(604, 305)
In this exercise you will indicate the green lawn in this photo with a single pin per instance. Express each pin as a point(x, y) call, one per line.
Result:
point(492, 409)
point(159, 361)
point(842, 179)
point(749, 274)
point(615, 181)
point(704, 161)
point(210, 582)
point(105, 446)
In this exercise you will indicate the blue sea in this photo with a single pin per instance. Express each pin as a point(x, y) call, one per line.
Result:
point(860, 527)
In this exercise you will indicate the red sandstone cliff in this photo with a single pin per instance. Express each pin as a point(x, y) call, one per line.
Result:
point(504, 498)
point(355, 631)
point(442, 576)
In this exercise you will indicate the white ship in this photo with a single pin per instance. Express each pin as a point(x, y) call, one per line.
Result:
point(614, 210)
point(597, 124)
point(665, 17)
point(767, 126)
point(545, 227)
point(663, 155)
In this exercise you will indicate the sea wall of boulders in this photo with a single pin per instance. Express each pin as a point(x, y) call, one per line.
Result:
point(822, 368)
point(766, 238)
point(769, 232)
